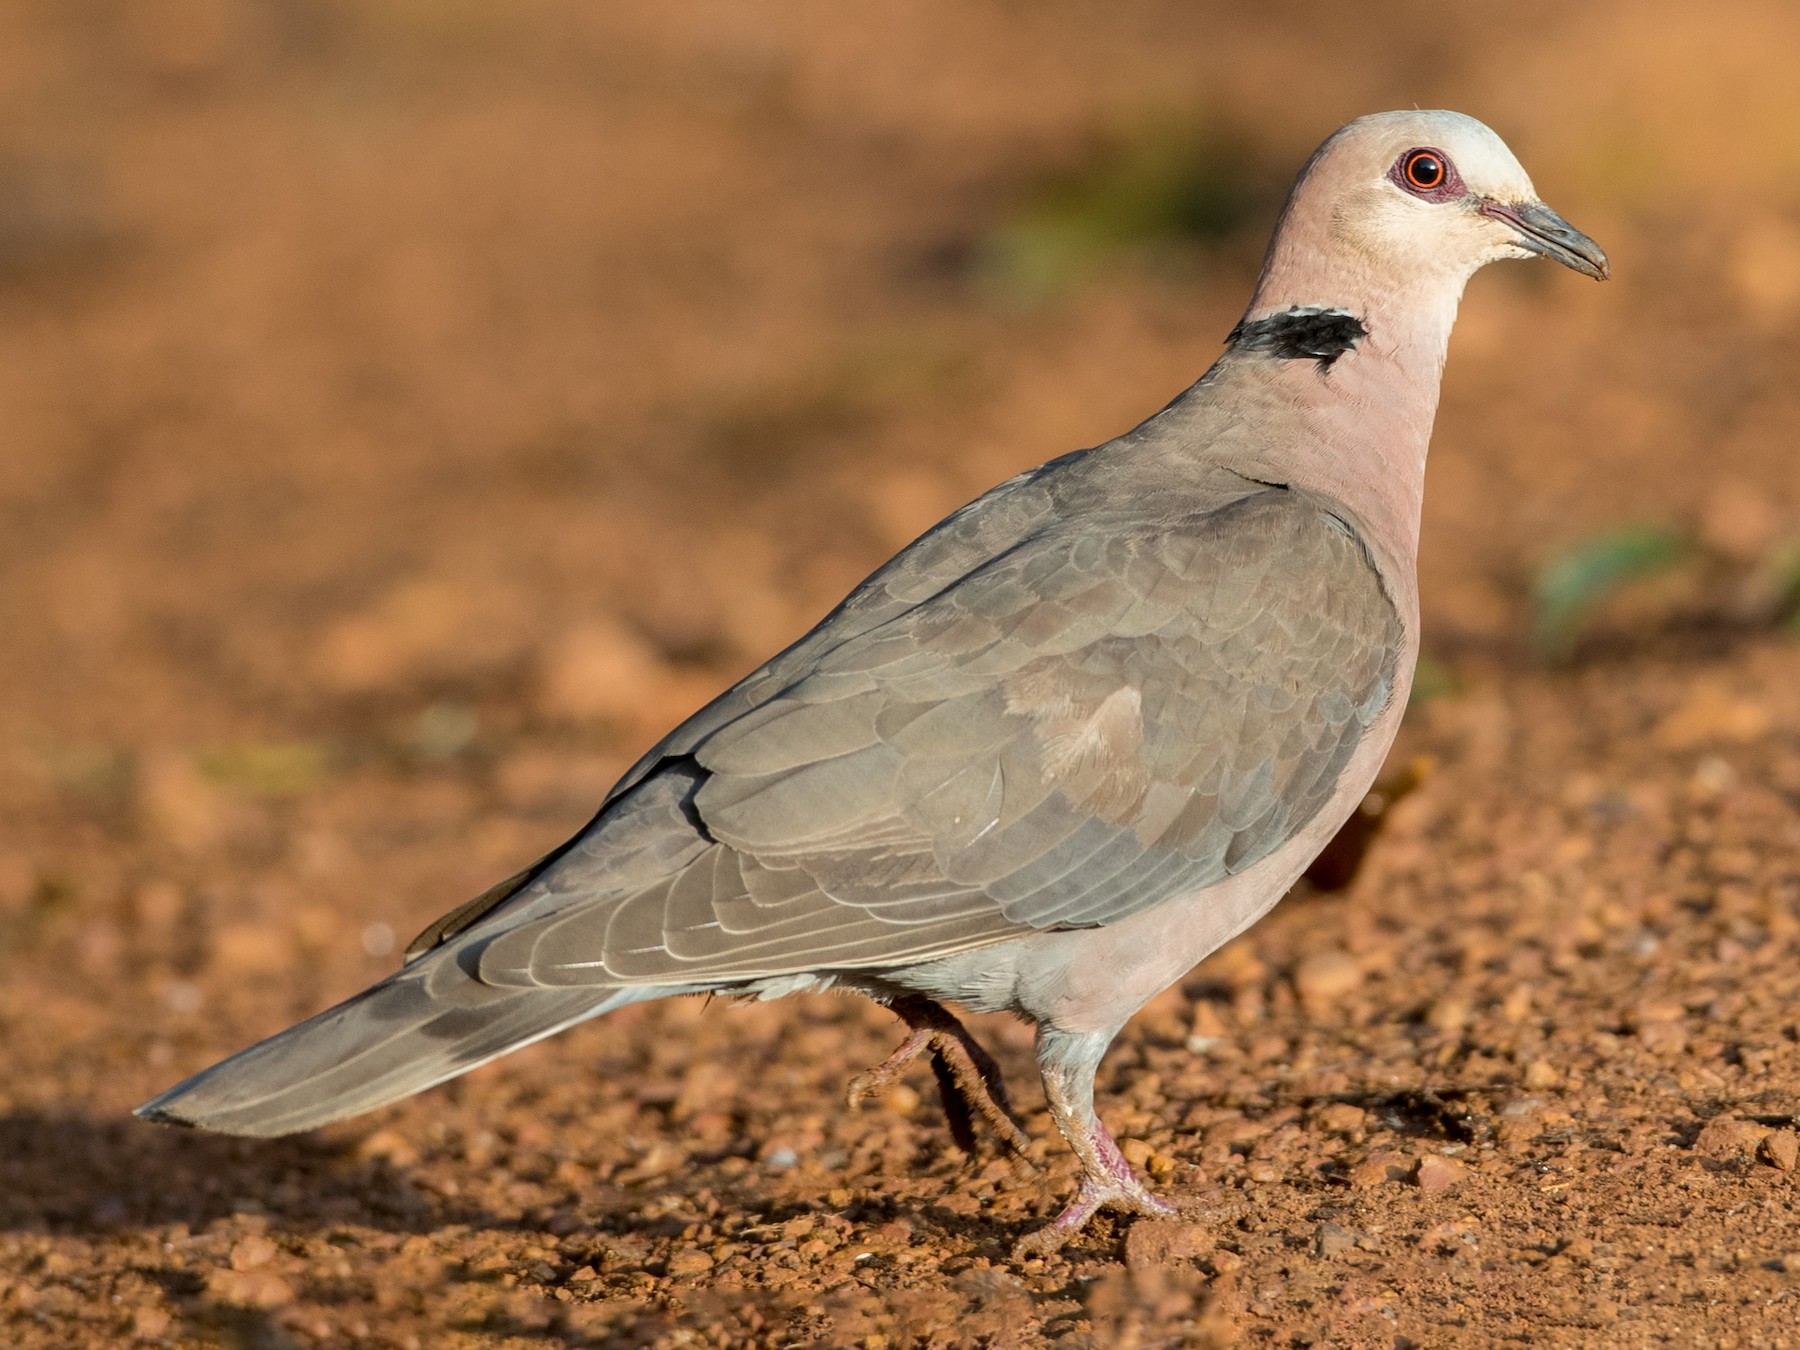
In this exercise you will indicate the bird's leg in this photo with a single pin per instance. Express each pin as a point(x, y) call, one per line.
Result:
point(1107, 1181)
point(968, 1079)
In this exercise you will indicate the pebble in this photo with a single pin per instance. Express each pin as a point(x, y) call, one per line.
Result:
point(1327, 976)
point(689, 1262)
point(1729, 1137)
point(1332, 1240)
point(1782, 1150)
point(1438, 1173)
point(251, 1252)
point(252, 1289)
point(149, 1323)
point(1379, 1167)
point(1343, 1118)
point(1161, 1242)
point(1540, 1074)
point(389, 1146)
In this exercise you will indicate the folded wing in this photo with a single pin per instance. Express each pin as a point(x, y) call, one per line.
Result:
point(1086, 725)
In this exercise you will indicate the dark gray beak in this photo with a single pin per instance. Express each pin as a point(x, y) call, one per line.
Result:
point(1543, 231)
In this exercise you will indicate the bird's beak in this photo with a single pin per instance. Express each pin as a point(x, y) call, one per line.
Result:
point(1543, 231)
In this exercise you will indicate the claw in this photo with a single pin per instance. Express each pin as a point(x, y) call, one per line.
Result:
point(1107, 1181)
point(1096, 1194)
point(968, 1079)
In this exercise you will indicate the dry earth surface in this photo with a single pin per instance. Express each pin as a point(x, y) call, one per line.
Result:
point(410, 410)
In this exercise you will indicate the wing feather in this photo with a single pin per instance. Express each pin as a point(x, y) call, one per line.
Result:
point(1064, 729)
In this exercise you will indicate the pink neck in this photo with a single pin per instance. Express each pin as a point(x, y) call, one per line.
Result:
point(1358, 430)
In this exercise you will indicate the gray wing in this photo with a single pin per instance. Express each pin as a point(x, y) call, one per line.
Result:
point(986, 528)
point(1092, 721)
point(983, 529)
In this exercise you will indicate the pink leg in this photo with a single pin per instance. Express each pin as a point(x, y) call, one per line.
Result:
point(968, 1079)
point(1107, 1181)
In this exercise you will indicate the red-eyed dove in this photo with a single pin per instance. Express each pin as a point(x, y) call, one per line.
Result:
point(1051, 755)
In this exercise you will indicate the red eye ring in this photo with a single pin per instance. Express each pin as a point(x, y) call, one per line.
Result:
point(1425, 170)
point(1427, 173)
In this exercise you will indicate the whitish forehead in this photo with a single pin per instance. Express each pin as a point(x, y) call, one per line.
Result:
point(1481, 157)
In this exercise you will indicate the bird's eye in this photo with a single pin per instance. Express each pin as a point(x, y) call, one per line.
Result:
point(1424, 170)
point(1427, 174)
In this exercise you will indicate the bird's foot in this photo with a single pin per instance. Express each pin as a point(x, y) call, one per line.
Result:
point(968, 1079)
point(1107, 1180)
point(884, 1075)
point(1098, 1191)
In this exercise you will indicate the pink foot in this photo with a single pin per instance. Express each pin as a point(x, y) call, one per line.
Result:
point(1096, 1194)
point(1107, 1181)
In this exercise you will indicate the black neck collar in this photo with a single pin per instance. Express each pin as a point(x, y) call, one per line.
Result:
point(1304, 332)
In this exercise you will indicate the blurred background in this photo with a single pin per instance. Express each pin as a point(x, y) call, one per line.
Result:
point(408, 411)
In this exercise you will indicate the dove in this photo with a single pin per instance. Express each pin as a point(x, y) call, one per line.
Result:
point(1050, 756)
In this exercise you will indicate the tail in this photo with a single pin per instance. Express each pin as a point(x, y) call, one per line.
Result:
point(425, 1024)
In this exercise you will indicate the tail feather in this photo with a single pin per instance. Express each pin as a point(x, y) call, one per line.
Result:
point(423, 1025)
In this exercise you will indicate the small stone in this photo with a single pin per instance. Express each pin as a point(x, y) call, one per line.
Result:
point(661, 1159)
point(250, 1288)
point(689, 1262)
point(1332, 1240)
point(1343, 1118)
point(389, 1146)
point(1450, 1014)
point(1448, 1238)
point(251, 1252)
point(1663, 1038)
point(56, 1264)
point(1540, 1074)
point(1137, 1152)
point(149, 1322)
point(1379, 1167)
point(1782, 1150)
point(1325, 977)
point(1516, 1006)
point(1206, 1026)
point(1438, 1173)
point(1162, 1242)
point(1729, 1137)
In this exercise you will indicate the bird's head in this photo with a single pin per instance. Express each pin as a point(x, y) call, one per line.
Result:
point(1407, 200)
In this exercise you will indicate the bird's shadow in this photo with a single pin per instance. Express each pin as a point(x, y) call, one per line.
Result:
point(72, 1173)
